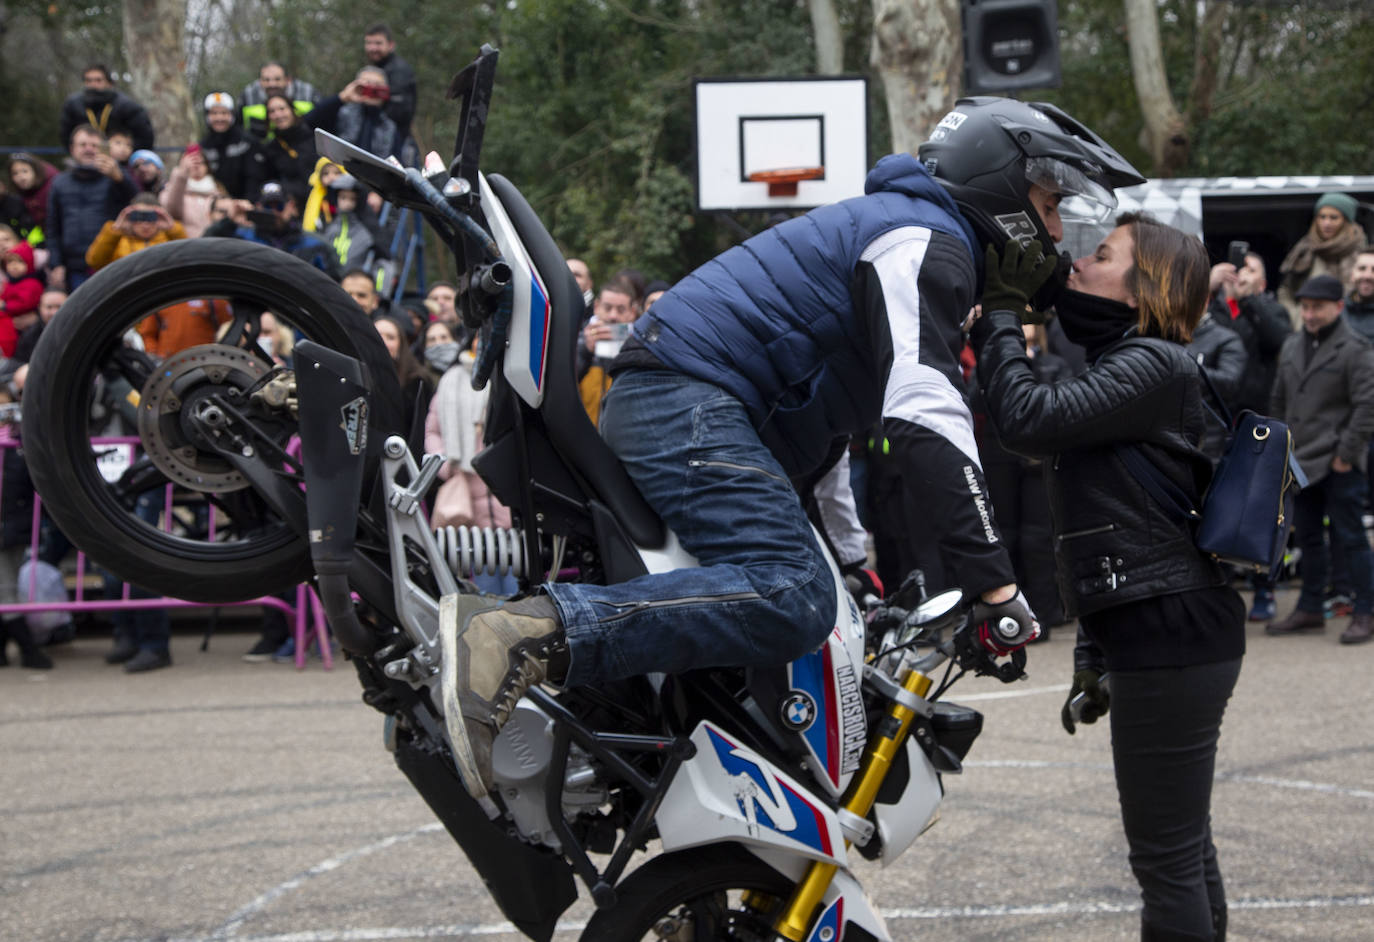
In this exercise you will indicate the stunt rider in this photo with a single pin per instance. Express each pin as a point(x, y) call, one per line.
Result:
point(752, 372)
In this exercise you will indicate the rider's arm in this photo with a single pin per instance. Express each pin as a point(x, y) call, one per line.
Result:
point(839, 515)
point(915, 287)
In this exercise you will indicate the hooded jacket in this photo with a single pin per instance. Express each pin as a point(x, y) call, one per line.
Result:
point(829, 322)
point(108, 111)
point(111, 245)
point(20, 295)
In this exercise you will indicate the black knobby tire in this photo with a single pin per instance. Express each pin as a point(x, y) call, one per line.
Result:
point(69, 355)
point(691, 883)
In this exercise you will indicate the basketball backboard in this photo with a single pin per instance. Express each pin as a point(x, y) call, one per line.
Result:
point(773, 143)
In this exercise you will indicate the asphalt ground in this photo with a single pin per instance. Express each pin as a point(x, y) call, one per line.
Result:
point(220, 801)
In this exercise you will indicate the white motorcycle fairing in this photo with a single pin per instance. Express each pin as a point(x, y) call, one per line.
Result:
point(900, 823)
point(527, 348)
point(845, 903)
point(728, 792)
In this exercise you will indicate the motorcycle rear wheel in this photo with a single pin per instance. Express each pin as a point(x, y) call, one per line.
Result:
point(257, 553)
point(674, 897)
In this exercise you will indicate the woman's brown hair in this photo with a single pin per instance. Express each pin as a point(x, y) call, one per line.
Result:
point(1168, 277)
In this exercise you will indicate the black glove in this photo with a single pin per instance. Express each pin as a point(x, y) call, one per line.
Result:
point(1011, 280)
point(990, 627)
point(1089, 683)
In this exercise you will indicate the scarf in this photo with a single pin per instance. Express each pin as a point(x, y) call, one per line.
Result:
point(1332, 251)
point(1093, 322)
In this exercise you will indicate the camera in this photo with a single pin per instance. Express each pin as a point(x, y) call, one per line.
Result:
point(143, 215)
point(1236, 252)
point(374, 92)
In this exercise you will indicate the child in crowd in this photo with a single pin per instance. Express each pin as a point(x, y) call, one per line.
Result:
point(121, 148)
point(141, 224)
point(19, 297)
point(350, 233)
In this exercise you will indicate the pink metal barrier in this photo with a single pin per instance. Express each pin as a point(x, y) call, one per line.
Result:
point(307, 613)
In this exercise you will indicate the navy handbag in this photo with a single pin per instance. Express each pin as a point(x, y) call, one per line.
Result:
point(1247, 512)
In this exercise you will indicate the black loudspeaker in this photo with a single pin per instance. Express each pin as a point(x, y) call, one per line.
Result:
point(1010, 44)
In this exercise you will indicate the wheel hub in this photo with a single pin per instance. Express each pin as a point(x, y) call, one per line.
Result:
point(178, 402)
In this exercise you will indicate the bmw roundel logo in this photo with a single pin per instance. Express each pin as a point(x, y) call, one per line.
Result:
point(798, 710)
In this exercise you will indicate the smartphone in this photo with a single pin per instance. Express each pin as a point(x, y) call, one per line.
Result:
point(1236, 252)
point(143, 215)
point(192, 148)
point(1077, 704)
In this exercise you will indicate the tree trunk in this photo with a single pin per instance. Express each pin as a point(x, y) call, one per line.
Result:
point(825, 27)
point(155, 33)
point(1207, 62)
point(918, 52)
point(1165, 135)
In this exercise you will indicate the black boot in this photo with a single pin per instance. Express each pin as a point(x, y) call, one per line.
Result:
point(30, 654)
point(1149, 933)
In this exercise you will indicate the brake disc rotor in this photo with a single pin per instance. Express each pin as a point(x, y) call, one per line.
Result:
point(183, 387)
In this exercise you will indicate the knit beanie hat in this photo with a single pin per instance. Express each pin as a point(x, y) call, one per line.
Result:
point(147, 155)
point(219, 100)
point(1340, 202)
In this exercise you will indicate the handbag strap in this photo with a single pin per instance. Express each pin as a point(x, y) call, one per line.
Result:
point(1224, 415)
point(1168, 494)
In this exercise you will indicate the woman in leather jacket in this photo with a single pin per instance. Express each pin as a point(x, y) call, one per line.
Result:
point(1153, 611)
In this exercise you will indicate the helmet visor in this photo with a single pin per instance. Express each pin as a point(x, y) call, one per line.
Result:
point(1082, 199)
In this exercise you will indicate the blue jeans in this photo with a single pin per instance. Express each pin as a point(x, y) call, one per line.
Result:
point(763, 594)
point(1339, 497)
point(150, 629)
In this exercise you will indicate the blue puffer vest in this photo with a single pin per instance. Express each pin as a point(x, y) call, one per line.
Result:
point(773, 320)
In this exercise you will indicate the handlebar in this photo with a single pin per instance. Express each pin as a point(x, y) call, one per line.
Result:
point(974, 643)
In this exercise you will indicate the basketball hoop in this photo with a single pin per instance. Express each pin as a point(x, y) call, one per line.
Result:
point(784, 182)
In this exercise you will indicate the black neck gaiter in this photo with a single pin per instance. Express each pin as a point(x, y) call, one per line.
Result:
point(1093, 322)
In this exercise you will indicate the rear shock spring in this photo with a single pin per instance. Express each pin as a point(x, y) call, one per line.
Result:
point(476, 550)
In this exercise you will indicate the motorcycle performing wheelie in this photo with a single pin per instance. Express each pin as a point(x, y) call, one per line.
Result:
point(749, 790)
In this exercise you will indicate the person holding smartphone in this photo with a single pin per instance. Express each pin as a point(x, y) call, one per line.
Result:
point(615, 309)
point(357, 114)
point(143, 223)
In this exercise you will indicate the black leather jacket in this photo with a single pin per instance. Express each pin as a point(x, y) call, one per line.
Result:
point(1113, 542)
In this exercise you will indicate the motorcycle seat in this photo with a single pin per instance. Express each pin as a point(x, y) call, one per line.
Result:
point(569, 428)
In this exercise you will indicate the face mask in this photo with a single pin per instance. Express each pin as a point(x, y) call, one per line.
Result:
point(97, 96)
point(588, 297)
point(265, 342)
point(442, 355)
point(1091, 321)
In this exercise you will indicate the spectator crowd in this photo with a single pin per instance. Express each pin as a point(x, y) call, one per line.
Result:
point(1295, 344)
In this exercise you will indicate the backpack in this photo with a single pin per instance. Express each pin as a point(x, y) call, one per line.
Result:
point(1247, 512)
point(47, 587)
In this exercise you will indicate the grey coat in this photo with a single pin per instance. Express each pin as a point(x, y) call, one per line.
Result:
point(1327, 400)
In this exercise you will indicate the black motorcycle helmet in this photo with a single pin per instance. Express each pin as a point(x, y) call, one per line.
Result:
point(988, 151)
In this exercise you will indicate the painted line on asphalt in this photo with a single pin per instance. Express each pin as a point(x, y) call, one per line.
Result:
point(1086, 908)
point(1297, 784)
point(229, 929)
point(1010, 694)
point(231, 926)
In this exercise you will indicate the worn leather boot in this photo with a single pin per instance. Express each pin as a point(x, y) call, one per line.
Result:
point(1299, 622)
point(491, 656)
point(1361, 630)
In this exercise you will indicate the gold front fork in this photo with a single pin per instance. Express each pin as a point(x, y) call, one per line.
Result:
point(890, 736)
